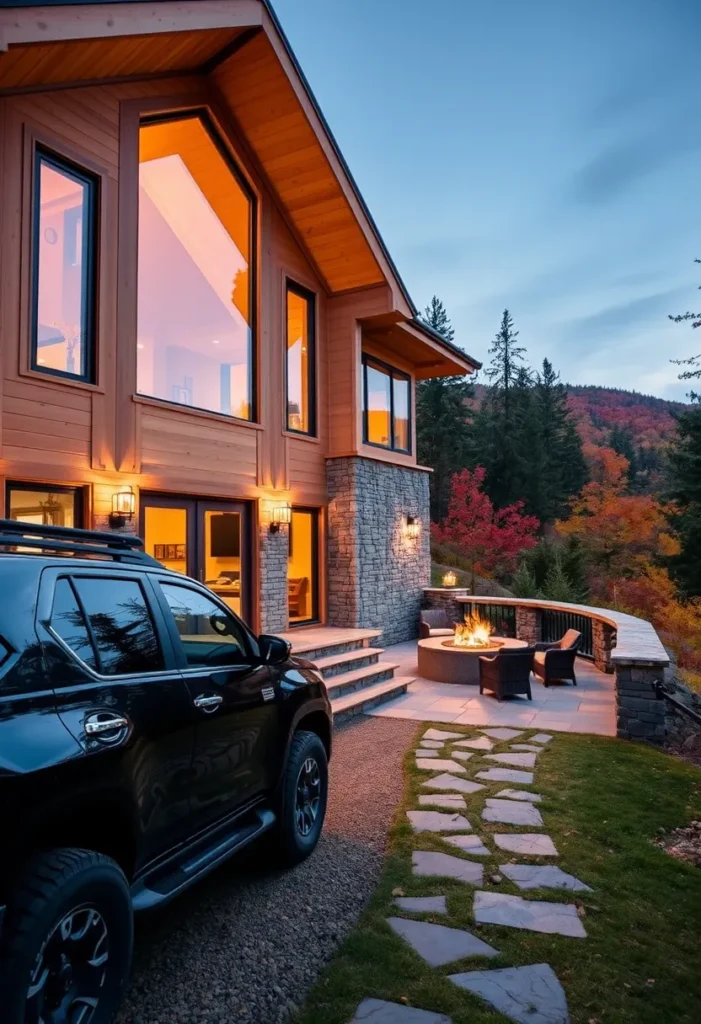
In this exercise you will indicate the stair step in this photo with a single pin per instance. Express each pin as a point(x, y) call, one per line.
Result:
point(348, 660)
point(319, 647)
point(369, 697)
point(359, 678)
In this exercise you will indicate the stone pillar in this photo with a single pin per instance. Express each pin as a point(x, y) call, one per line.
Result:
point(273, 551)
point(639, 713)
point(446, 598)
point(528, 626)
point(603, 642)
point(376, 572)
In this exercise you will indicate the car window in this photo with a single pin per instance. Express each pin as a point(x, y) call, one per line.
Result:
point(68, 621)
point(120, 621)
point(209, 634)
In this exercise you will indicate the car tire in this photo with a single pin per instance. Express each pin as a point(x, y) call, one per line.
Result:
point(300, 821)
point(66, 940)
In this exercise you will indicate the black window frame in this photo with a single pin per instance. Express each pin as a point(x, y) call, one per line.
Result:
point(221, 143)
point(89, 263)
point(310, 299)
point(394, 374)
point(32, 485)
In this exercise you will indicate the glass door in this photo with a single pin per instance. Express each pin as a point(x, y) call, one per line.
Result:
point(303, 567)
point(207, 540)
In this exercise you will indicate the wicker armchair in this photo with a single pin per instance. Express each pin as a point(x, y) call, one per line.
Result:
point(435, 622)
point(554, 663)
point(508, 673)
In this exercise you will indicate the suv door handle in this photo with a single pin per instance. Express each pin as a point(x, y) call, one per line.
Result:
point(103, 722)
point(208, 701)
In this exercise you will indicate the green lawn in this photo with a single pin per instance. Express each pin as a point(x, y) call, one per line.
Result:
point(603, 802)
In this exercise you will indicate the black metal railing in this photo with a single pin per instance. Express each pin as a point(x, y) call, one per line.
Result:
point(554, 625)
point(501, 616)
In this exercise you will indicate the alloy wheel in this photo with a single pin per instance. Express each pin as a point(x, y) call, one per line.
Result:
point(308, 796)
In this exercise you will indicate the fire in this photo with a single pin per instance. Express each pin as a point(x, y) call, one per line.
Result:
point(473, 632)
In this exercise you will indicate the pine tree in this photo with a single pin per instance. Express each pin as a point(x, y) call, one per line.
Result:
point(524, 582)
point(685, 491)
point(558, 586)
point(443, 418)
point(695, 361)
point(503, 372)
point(621, 440)
point(563, 469)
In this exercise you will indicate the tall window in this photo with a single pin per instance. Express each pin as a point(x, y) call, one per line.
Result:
point(195, 304)
point(64, 271)
point(300, 364)
point(386, 406)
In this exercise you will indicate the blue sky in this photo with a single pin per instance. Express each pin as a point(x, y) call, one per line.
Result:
point(543, 155)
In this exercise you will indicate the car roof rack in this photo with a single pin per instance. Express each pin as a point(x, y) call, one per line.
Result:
point(69, 541)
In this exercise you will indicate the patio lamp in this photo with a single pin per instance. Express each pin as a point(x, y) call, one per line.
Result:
point(450, 579)
point(123, 508)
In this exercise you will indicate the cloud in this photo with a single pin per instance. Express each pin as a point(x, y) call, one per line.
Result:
point(612, 325)
point(618, 167)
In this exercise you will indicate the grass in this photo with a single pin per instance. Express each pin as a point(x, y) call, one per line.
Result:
point(603, 802)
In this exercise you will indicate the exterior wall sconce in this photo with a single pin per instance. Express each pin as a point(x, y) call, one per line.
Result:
point(281, 515)
point(123, 508)
point(413, 527)
point(450, 580)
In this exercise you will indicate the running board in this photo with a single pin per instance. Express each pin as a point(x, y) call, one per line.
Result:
point(160, 887)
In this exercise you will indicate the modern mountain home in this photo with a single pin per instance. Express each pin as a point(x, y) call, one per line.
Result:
point(204, 339)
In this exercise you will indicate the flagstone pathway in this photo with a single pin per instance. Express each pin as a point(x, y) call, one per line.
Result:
point(527, 994)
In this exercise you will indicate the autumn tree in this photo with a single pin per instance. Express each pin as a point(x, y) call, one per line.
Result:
point(443, 416)
point(490, 539)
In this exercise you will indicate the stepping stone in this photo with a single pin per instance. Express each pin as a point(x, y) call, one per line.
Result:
point(377, 1011)
point(518, 760)
point(434, 744)
point(468, 844)
point(540, 737)
point(502, 734)
point(526, 746)
point(506, 775)
point(437, 944)
point(530, 844)
point(462, 755)
point(439, 734)
point(511, 812)
point(520, 794)
point(435, 821)
point(532, 915)
point(526, 995)
point(439, 765)
point(422, 904)
point(450, 800)
point(426, 753)
point(480, 743)
point(448, 781)
point(426, 862)
point(543, 876)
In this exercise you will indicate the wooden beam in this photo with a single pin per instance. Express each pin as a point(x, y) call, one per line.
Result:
point(228, 51)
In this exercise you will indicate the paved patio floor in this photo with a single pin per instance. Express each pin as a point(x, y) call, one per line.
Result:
point(587, 707)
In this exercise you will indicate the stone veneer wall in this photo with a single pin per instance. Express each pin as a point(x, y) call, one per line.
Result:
point(376, 574)
point(446, 598)
point(603, 642)
point(528, 625)
point(640, 714)
point(273, 554)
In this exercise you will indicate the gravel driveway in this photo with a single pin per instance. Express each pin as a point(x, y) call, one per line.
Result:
point(246, 946)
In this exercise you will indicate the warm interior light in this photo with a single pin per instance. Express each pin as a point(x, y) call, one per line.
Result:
point(413, 526)
point(450, 579)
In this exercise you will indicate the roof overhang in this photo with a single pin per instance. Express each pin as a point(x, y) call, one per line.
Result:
point(429, 354)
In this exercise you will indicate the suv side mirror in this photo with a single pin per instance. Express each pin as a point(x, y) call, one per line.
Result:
point(273, 649)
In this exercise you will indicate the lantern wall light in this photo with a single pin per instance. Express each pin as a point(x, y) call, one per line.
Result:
point(123, 508)
point(280, 515)
point(413, 527)
point(450, 579)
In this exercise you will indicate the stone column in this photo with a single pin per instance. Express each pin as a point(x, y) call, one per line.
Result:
point(446, 598)
point(528, 625)
point(273, 555)
point(603, 642)
point(639, 714)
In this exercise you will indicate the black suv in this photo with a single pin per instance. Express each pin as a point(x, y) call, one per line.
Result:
point(145, 736)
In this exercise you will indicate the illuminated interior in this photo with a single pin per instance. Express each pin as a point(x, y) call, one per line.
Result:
point(44, 508)
point(222, 556)
point(165, 536)
point(302, 581)
point(194, 338)
point(60, 342)
point(299, 363)
point(386, 398)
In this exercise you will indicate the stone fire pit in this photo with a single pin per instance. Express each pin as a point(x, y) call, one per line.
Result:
point(441, 661)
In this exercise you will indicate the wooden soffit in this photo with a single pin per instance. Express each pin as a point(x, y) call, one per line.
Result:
point(428, 356)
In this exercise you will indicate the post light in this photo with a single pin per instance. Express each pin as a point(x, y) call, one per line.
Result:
point(281, 515)
point(123, 508)
point(450, 579)
point(413, 527)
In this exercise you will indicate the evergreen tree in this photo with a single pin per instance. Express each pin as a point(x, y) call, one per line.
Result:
point(563, 469)
point(695, 361)
point(558, 586)
point(524, 582)
point(685, 491)
point(621, 440)
point(443, 417)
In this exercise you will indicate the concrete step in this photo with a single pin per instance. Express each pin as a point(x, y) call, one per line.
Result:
point(360, 678)
point(347, 661)
point(368, 697)
point(319, 646)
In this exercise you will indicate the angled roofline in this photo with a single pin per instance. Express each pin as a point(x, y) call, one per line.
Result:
point(421, 325)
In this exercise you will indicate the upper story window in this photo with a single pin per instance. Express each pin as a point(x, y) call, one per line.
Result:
point(300, 361)
point(195, 301)
point(64, 269)
point(386, 406)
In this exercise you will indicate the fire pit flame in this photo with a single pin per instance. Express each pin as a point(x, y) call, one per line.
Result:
point(473, 632)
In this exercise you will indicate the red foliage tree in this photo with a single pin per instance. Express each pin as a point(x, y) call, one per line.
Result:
point(489, 539)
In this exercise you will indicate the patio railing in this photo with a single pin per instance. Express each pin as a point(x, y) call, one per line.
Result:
point(554, 624)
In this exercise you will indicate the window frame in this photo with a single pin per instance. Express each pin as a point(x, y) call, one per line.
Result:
point(299, 290)
point(33, 485)
point(90, 263)
point(221, 143)
point(394, 374)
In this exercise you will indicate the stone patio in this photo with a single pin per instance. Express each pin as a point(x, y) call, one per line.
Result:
point(587, 707)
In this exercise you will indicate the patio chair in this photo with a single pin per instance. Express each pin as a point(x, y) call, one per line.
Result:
point(554, 662)
point(435, 622)
point(508, 673)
